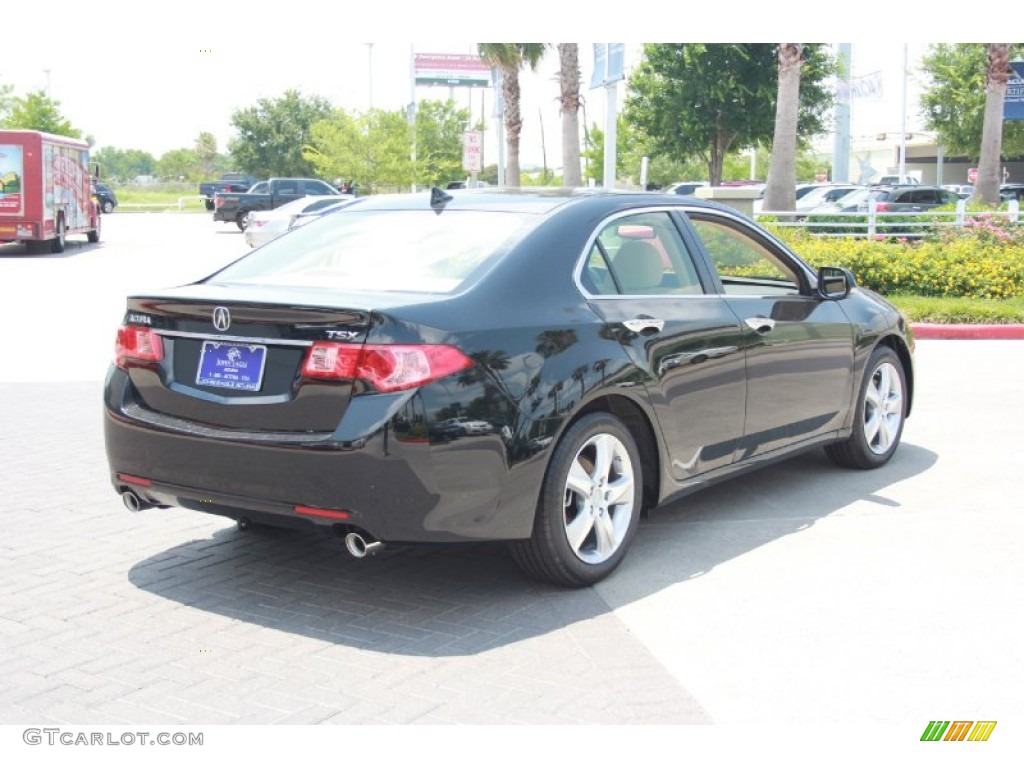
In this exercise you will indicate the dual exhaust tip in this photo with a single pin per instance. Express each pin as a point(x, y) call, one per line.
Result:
point(133, 503)
point(357, 545)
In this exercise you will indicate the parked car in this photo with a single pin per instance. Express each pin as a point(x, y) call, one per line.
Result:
point(963, 191)
point(266, 196)
point(105, 196)
point(824, 194)
point(1012, 192)
point(896, 180)
point(263, 226)
point(302, 384)
point(304, 217)
point(890, 199)
point(685, 187)
point(909, 199)
point(228, 182)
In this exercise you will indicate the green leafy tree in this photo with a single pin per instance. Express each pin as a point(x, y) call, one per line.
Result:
point(953, 102)
point(271, 136)
point(38, 112)
point(706, 99)
point(6, 100)
point(629, 149)
point(510, 58)
point(439, 129)
point(181, 163)
point(372, 149)
point(124, 164)
point(206, 151)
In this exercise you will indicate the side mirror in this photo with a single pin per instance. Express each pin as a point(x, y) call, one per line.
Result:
point(835, 282)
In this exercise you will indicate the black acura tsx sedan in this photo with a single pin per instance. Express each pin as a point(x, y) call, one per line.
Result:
point(612, 351)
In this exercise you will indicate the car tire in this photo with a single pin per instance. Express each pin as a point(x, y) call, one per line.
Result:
point(108, 206)
point(93, 236)
point(58, 243)
point(879, 417)
point(240, 220)
point(208, 204)
point(589, 505)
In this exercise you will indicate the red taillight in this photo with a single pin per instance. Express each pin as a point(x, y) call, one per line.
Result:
point(334, 514)
point(388, 367)
point(137, 345)
point(879, 207)
point(134, 480)
point(218, 201)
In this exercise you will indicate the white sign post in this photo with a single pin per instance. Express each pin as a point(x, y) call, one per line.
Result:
point(473, 153)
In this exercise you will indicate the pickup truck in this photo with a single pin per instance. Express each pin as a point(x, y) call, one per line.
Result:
point(229, 182)
point(265, 196)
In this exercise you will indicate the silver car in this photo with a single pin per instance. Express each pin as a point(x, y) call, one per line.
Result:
point(263, 226)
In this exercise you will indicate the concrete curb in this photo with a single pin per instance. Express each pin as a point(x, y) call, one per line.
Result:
point(940, 331)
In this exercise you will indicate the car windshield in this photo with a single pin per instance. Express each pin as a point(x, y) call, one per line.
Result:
point(419, 251)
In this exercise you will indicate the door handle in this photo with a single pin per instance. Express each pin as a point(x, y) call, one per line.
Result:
point(761, 325)
point(640, 324)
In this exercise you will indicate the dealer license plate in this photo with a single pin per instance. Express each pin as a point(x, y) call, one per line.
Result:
point(231, 365)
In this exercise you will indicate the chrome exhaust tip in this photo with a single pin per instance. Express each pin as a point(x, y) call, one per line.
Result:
point(132, 502)
point(360, 547)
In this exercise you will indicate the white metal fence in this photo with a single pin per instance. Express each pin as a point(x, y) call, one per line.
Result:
point(182, 202)
point(873, 223)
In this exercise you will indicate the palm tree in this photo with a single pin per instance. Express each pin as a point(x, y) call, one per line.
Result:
point(569, 82)
point(510, 58)
point(987, 188)
point(780, 193)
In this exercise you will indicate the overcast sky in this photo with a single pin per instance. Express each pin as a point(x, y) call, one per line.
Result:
point(153, 77)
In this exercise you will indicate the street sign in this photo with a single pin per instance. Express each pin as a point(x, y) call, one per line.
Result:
point(453, 69)
point(1013, 104)
point(972, 175)
point(473, 151)
point(609, 64)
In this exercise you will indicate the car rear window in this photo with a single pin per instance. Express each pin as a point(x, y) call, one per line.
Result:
point(418, 251)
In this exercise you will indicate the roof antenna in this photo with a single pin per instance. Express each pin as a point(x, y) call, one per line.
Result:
point(439, 198)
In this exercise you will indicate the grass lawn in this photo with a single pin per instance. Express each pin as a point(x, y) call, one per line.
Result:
point(933, 309)
point(177, 198)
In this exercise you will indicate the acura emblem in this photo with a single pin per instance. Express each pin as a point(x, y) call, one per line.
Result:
point(221, 319)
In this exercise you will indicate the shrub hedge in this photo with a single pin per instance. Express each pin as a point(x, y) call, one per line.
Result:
point(983, 260)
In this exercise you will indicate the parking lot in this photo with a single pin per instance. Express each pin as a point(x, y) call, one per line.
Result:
point(802, 595)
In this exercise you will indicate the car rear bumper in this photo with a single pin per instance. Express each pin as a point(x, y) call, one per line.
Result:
point(372, 479)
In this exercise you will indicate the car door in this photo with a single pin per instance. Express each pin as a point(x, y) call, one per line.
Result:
point(798, 347)
point(643, 282)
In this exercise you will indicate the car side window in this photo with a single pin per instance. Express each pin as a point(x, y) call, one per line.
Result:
point(260, 189)
point(315, 188)
point(746, 266)
point(640, 255)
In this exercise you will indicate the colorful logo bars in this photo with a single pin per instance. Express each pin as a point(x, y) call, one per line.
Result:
point(958, 730)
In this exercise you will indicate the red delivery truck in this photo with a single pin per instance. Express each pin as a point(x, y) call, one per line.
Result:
point(45, 190)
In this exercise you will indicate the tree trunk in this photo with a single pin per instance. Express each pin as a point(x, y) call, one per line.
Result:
point(513, 126)
point(989, 165)
point(780, 193)
point(569, 80)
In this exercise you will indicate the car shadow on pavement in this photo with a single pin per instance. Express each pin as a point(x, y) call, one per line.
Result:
point(71, 248)
point(467, 599)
